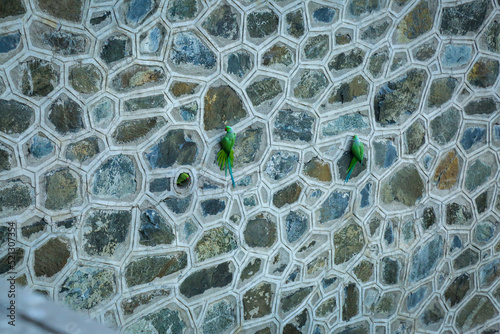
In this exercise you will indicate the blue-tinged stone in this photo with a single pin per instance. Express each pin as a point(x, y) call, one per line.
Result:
point(159, 185)
point(415, 297)
point(456, 55)
point(176, 147)
point(426, 258)
point(477, 174)
point(472, 136)
point(152, 42)
point(334, 206)
point(365, 195)
point(189, 111)
point(456, 243)
point(489, 273)
point(343, 124)
point(250, 201)
point(9, 42)
point(496, 132)
point(294, 126)
point(389, 234)
point(324, 14)
point(187, 48)
point(281, 164)
point(239, 63)
point(212, 207)
point(484, 231)
point(154, 229)
point(178, 205)
point(138, 10)
point(188, 229)
point(296, 226)
point(115, 178)
point(40, 146)
point(326, 282)
point(244, 182)
point(162, 321)
point(385, 153)
point(103, 112)
point(182, 10)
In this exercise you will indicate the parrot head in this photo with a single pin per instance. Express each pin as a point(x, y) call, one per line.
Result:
point(228, 129)
point(356, 137)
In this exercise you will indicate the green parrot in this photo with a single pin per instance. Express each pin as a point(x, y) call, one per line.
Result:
point(183, 177)
point(225, 157)
point(358, 150)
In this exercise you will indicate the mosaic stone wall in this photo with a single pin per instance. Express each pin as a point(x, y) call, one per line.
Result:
point(104, 103)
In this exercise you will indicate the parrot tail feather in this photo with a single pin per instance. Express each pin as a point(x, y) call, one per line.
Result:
point(231, 172)
point(350, 169)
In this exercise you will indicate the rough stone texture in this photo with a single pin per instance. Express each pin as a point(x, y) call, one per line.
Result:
point(103, 104)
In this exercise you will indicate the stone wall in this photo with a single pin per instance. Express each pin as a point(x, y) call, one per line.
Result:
point(104, 103)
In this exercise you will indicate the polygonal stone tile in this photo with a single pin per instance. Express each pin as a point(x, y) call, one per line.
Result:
point(464, 19)
point(350, 307)
point(86, 79)
point(358, 122)
point(51, 257)
point(348, 242)
point(473, 137)
point(477, 311)
point(154, 229)
point(295, 23)
point(137, 130)
point(399, 97)
point(334, 207)
point(294, 126)
point(252, 143)
point(309, 84)
point(183, 10)
point(490, 39)
point(66, 115)
point(238, 64)
point(280, 57)
point(426, 50)
point(444, 127)
point(484, 73)
point(69, 10)
point(426, 257)
point(100, 19)
point(261, 231)
point(191, 55)
point(223, 24)
point(151, 42)
point(15, 9)
point(36, 77)
point(376, 31)
point(116, 178)
point(10, 45)
point(441, 91)
point(16, 195)
point(214, 277)
point(318, 169)
point(137, 77)
point(8, 159)
point(344, 36)
point(378, 61)
point(115, 48)
point(38, 149)
point(258, 301)
point(261, 24)
point(102, 113)
point(359, 9)
point(215, 242)
point(416, 23)
point(62, 189)
point(399, 60)
point(131, 305)
point(15, 117)
point(404, 187)
point(481, 107)
point(353, 91)
point(223, 107)
point(145, 103)
point(287, 195)
point(480, 170)
point(456, 56)
point(135, 12)
point(171, 317)
point(146, 269)
point(321, 15)
point(264, 92)
point(385, 153)
point(346, 61)
point(485, 231)
point(88, 287)
point(281, 164)
point(316, 47)
point(415, 137)
point(85, 150)
point(221, 316)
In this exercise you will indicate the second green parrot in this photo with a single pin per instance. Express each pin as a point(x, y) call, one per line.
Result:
point(182, 178)
point(225, 156)
point(358, 150)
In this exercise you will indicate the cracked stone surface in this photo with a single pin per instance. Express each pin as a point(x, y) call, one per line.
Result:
point(104, 104)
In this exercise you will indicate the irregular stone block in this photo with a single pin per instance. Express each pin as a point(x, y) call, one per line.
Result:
point(476, 312)
point(215, 242)
point(425, 258)
point(348, 242)
point(281, 164)
point(70, 10)
point(177, 147)
point(293, 126)
point(258, 301)
point(262, 24)
point(51, 257)
point(154, 229)
point(115, 178)
point(62, 189)
point(15, 117)
point(444, 127)
point(441, 91)
point(84, 150)
point(261, 231)
point(465, 18)
point(136, 130)
point(149, 268)
point(116, 48)
point(218, 276)
point(188, 50)
point(417, 22)
point(66, 115)
point(85, 79)
point(316, 47)
point(223, 22)
point(334, 207)
point(484, 73)
point(223, 106)
point(405, 186)
point(137, 77)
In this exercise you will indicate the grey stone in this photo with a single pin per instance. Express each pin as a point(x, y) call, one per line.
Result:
point(263, 23)
point(366, 196)
point(391, 270)
point(425, 258)
point(445, 126)
point(377, 62)
point(399, 96)
point(84, 150)
point(350, 91)
point(345, 123)
point(137, 77)
point(137, 11)
point(385, 153)
point(12, 8)
point(294, 126)
point(177, 147)
point(318, 169)
point(291, 300)
point(361, 8)
point(281, 164)
point(484, 232)
point(348, 242)
point(240, 63)
point(163, 321)
point(105, 233)
point(492, 37)
point(116, 48)
point(38, 77)
point(347, 61)
point(220, 317)
point(464, 18)
point(11, 261)
point(102, 112)
point(215, 242)
point(264, 90)
point(160, 185)
point(250, 270)
point(261, 231)
point(40, 146)
point(258, 301)
point(9, 42)
point(62, 189)
point(376, 30)
point(115, 178)
point(489, 273)
point(477, 174)
point(334, 207)
point(151, 42)
point(145, 103)
point(154, 229)
point(429, 218)
point(136, 130)
point(311, 84)
point(178, 205)
point(484, 73)
point(33, 228)
point(294, 24)
point(426, 50)
point(481, 106)
point(350, 307)
point(250, 145)
point(198, 282)
point(476, 312)
point(399, 60)
point(287, 195)
point(456, 55)
point(441, 91)
point(324, 14)
point(458, 289)
point(414, 298)
point(146, 269)
point(182, 10)
point(280, 57)
point(296, 225)
point(59, 41)
point(405, 186)
point(458, 214)
point(415, 137)
point(66, 115)
point(223, 23)
point(316, 47)
point(70, 10)
point(134, 304)
point(88, 287)
point(467, 258)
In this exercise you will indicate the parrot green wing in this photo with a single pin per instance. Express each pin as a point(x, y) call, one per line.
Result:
point(358, 151)
point(183, 177)
point(227, 142)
